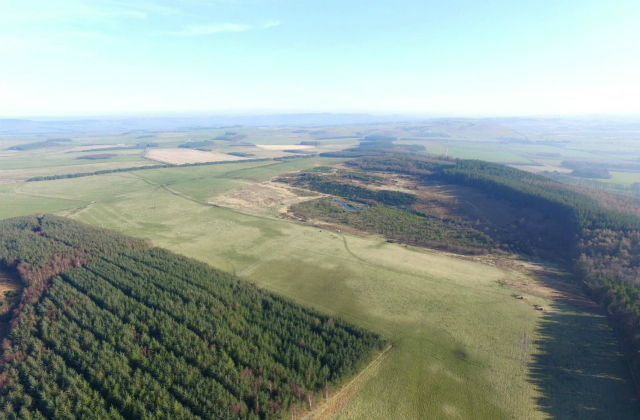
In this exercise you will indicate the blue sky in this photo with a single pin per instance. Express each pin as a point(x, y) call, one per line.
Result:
point(432, 58)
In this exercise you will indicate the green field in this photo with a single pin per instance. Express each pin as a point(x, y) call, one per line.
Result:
point(430, 306)
point(623, 178)
point(463, 139)
point(463, 346)
point(33, 164)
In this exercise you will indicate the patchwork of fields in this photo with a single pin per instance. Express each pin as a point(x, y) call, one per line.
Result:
point(464, 347)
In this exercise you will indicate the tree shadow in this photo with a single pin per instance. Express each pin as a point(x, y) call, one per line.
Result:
point(579, 369)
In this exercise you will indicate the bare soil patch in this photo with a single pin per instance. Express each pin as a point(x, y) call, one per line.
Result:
point(271, 198)
point(182, 156)
point(331, 226)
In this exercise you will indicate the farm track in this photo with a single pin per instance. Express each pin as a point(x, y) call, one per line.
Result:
point(55, 197)
point(335, 401)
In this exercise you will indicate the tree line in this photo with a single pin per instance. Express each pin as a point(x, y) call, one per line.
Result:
point(596, 233)
point(134, 168)
point(336, 185)
point(601, 243)
point(133, 332)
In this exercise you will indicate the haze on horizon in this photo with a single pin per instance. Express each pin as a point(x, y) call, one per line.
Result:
point(455, 58)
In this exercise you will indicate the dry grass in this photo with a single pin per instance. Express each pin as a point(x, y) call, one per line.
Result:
point(265, 198)
point(182, 156)
point(541, 279)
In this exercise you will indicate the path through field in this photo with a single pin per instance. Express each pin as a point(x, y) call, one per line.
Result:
point(464, 347)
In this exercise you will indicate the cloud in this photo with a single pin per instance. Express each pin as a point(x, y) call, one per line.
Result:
point(197, 30)
point(271, 24)
point(194, 30)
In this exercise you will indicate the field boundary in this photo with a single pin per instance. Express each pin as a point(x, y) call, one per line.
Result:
point(334, 400)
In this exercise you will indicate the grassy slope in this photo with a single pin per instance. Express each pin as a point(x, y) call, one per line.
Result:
point(464, 347)
point(18, 165)
point(431, 306)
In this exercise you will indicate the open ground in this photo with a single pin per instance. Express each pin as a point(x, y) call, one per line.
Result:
point(463, 345)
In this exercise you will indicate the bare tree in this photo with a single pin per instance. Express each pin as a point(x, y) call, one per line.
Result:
point(310, 399)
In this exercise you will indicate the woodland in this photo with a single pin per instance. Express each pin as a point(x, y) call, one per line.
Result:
point(108, 326)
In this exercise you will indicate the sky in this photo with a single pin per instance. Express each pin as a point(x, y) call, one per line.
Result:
point(410, 57)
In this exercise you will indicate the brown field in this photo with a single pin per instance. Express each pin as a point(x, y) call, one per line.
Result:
point(95, 146)
point(270, 198)
point(181, 156)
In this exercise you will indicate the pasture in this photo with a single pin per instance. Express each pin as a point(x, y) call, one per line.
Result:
point(464, 347)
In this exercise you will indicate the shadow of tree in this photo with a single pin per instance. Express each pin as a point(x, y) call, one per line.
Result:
point(579, 368)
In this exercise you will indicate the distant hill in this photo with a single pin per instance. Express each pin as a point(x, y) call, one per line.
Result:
point(42, 126)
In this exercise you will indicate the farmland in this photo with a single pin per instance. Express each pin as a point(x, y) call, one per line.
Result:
point(130, 331)
point(455, 325)
point(532, 145)
point(182, 156)
point(463, 345)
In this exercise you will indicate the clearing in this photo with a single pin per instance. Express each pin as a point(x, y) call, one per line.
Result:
point(270, 198)
point(9, 285)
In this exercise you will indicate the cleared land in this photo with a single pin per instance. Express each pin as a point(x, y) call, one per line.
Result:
point(464, 347)
point(265, 198)
point(181, 156)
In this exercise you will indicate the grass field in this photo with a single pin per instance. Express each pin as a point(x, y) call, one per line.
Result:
point(465, 140)
point(463, 346)
point(623, 178)
point(42, 165)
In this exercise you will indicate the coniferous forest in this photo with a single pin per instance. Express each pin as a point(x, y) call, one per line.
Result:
point(110, 328)
point(600, 240)
point(595, 234)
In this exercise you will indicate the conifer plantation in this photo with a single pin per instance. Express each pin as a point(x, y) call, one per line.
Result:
point(108, 327)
